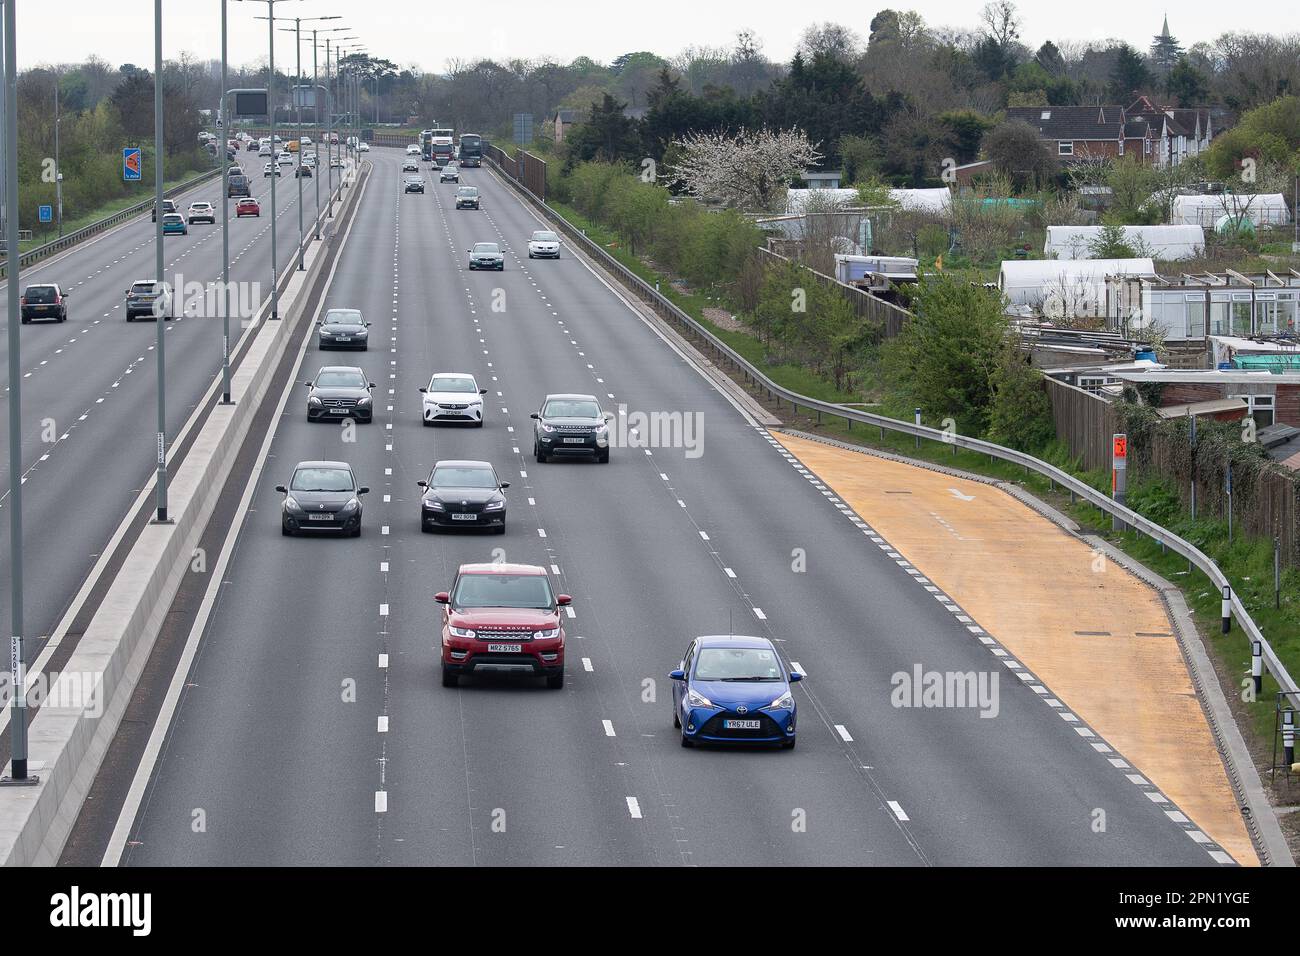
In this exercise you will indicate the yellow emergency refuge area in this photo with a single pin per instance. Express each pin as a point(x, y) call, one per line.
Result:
point(1097, 636)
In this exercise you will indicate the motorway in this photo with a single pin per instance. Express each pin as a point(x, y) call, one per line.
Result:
point(89, 385)
point(311, 727)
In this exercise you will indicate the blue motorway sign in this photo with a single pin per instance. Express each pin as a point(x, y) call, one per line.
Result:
point(132, 164)
point(45, 213)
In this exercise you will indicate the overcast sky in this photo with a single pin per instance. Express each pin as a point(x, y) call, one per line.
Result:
point(428, 32)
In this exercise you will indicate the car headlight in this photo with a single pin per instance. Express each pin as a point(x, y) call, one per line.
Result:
point(547, 428)
point(313, 400)
point(696, 699)
point(434, 506)
point(291, 503)
point(365, 400)
point(352, 505)
point(784, 702)
point(362, 333)
point(548, 634)
point(495, 506)
point(460, 631)
point(602, 428)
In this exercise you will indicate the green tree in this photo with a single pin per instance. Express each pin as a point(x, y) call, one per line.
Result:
point(1129, 75)
point(607, 135)
point(1186, 85)
point(1017, 152)
point(1111, 243)
point(943, 360)
point(1020, 415)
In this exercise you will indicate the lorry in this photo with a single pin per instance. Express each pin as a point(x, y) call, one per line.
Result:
point(471, 150)
point(441, 146)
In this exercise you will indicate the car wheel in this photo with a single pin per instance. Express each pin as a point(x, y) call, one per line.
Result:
point(787, 745)
point(677, 721)
point(500, 530)
point(284, 530)
point(478, 424)
point(26, 321)
point(357, 532)
point(556, 682)
point(687, 742)
point(603, 457)
point(541, 455)
point(450, 679)
point(530, 255)
point(130, 317)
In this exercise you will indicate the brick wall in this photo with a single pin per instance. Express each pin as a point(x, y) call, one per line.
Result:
point(1287, 405)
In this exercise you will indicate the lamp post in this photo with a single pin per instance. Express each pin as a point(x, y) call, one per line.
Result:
point(275, 160)
point(58, 170)
point(17, 657)
point(297, 105)
point(225, 220)
point(159, 315)
point(315, 91)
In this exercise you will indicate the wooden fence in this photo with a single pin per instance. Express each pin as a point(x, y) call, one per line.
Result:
point(885, 316)
point(525, 168)
point(1264, 504)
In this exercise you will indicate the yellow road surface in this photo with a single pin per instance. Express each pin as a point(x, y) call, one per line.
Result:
point(1094, 634)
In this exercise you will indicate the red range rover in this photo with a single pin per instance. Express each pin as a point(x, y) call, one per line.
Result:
point(502, 617)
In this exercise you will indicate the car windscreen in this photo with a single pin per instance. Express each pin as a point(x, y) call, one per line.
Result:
point(502, 590)
point(462, 476)
point(343, 317)
point(449, 384)
point(173, 217)
point(321, 479)
point(39, 293)
point(467, 191)
point(568, 408)
point(545, 237)
point(485, 248)
point(738, 664)
point(142, 288)
point(338, 379)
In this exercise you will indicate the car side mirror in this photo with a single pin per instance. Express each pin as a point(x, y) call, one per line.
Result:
point(482, 391)
point(282, 489)
point(677, 675)
point(423, 484)
point(425, 390)
point(795, 677)
point(371, 385)
point(442, 597)
point(308, 384)
point(363, 490)
point(608, 416)
point(534, 415)
point(505, 485)
point(564, 600)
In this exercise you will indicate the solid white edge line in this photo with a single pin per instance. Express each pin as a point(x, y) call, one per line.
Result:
point(162, 724)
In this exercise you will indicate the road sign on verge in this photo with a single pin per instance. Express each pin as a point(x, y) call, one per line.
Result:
point(45, 213)
point(132, 164)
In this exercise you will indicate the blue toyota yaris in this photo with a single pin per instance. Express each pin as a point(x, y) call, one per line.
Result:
point(734, 689)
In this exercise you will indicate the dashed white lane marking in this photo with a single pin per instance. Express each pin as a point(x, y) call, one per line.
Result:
point(555, 568)
point(568, 610)
point(898, 810)
point(730, 573)
point(383, 610)
point(383, 724)
point(383, 661)
point(634, 808)
point(758, 613)
point(844, 733)
point(541, 532)
point(586, 664)
point(798, 668)
point(609, 728)
point(381, 801)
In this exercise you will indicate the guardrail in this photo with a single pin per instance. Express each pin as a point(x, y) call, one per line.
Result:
point(71, 239)
point(668, 310)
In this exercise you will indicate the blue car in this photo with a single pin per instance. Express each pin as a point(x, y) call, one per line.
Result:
point(174, 222)
point(734, 689)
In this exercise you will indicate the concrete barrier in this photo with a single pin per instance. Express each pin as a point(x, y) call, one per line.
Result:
point(67, 745)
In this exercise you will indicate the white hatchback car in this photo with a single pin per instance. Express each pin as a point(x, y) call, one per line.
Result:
point(544, 244)
point(413, 150)
point(453, 397)
point(202, 212)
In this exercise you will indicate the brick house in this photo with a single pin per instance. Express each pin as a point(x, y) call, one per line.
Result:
point(1160, 135)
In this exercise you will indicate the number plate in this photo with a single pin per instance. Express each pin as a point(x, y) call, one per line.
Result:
point(456, 517)
point(505, 648)
point(741, 724)
point(342, 338)
point(575, 441)
point(321, 517)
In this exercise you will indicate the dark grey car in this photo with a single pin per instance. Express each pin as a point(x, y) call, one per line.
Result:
point(463, 494)
point(487, 255)
point(570, 425)
point(322, 496)
point(340, 392)
point(413, 184)
point(344, 329)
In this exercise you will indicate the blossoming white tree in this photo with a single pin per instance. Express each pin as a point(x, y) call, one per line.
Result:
point(750, 170)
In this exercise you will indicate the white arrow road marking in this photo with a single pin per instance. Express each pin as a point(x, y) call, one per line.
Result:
point(958, 495)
